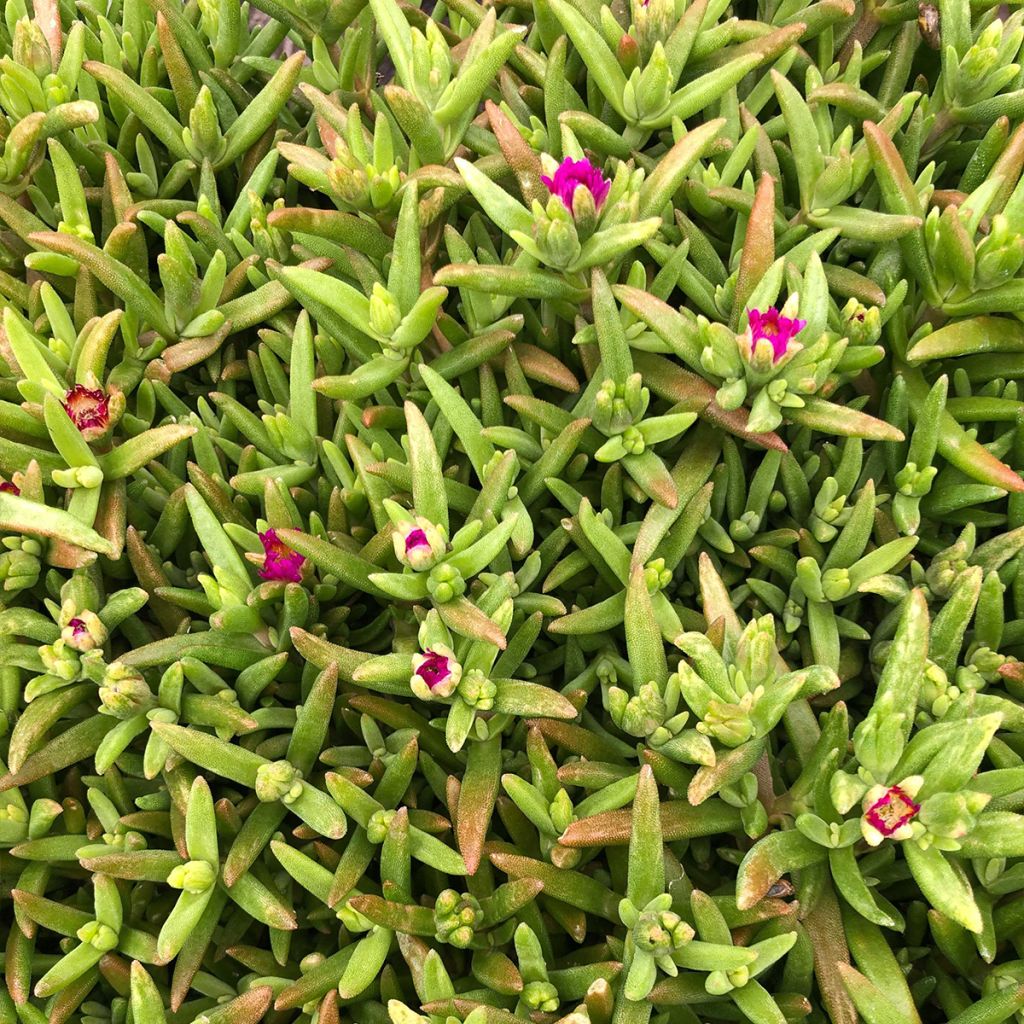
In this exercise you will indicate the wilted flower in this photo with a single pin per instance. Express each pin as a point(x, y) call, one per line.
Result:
point(7, 487)
point(280, 562)
point(89, 408)
point(571, 174)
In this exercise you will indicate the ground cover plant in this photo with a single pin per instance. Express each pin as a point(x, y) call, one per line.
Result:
point(511, 512)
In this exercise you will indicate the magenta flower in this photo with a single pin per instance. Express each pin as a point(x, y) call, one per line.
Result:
point(88, 408)
point(434, 669)
point(891, 811)
point(78, 628)
point(772, 326)
point(280, 562)
point(571, 174)
point(414, 539)
point(435, 673)
point(8, 488)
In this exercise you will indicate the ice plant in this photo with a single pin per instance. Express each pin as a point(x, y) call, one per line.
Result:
point(511, 513)
point(88, 408)
point(279, 561)
point(888, 813)
point(573, 174)
point(436, 673)
point(773, 327)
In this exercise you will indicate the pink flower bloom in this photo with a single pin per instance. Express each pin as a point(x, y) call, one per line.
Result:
point(280, 562)
point(434, 670)
point(891, 811)
point(87, 407)
point(8, 488)
point(414, 539)
point(772, 326)
point(435, 673)
point(78, 628)
point(571, 174)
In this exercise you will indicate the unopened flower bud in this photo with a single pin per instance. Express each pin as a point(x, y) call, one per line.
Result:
point(60, 660)
point(124, 693)
point(378, 825)
point(639, 715)
point(661, 932)
point(456, 918)
point(30, 49)
point(861, 324)
point(541, 995)
point(279, 780)
point(445, 583)
point(204, 127)
point(385, 314)
point(195, 876)
point(101, 937)
point(477, 690)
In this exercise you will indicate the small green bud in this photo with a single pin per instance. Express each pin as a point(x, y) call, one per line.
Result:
point(195, 876)
point(385, 314)
point(456, 918)
point(541, 995)
point(378, 825)
point(101, 937)
point(124, 693)
point(279, 780)
point(477, 690)
point(445, 583)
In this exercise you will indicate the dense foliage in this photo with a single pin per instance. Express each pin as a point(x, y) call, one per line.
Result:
point(510, 512)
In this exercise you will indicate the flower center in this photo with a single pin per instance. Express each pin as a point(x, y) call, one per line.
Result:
point(8, 488)
point(78, 627)
point(891, 811)
point(773, 327)
point(416, 538)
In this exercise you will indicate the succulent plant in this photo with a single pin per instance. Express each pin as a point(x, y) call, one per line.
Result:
point(511, 512)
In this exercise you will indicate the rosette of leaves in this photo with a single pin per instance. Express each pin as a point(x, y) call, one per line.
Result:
point(917, 789)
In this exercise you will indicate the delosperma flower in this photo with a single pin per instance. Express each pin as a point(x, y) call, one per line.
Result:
point(511, 513)
point(418, 543)
point(573, 174)
point(84, 631)
point(436, 673)
point(773, 327)
point(888, 812)
point(89, 408)
point(279, 561)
